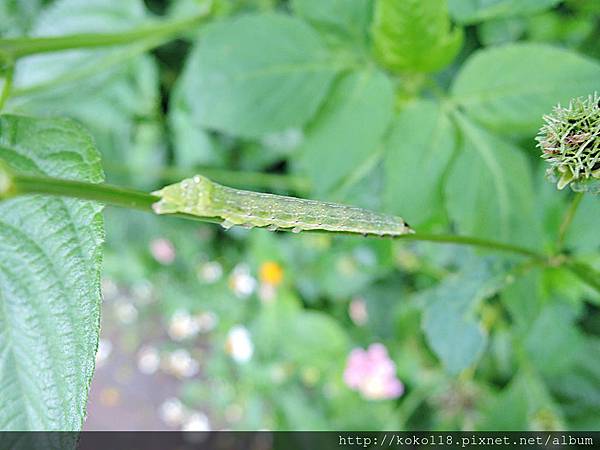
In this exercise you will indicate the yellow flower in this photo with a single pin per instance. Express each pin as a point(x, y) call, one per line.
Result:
point(271, 273)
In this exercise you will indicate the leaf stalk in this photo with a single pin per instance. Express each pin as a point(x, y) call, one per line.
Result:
point(15, 48)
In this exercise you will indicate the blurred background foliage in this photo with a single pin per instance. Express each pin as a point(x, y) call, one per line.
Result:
point(425, 109)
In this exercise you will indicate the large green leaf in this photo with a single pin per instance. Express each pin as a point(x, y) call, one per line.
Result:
point(414, 35)
point(50, 255)
point(553, 333)
point(449, 322)
point(257, 74)
point(510, 88)
point(489, 189)
point(417, 153)
point(348, 129)
point(470, 11)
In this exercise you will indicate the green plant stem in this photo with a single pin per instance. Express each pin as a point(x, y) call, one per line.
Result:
point(475, 242)
point(104, 193)
point(129, 198)
point(19, 47)
point(567, 220)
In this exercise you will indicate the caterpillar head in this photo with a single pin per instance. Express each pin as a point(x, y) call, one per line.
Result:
point(190, 195)
point(570, 144)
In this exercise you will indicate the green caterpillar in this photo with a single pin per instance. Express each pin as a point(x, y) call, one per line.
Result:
point(200, 196)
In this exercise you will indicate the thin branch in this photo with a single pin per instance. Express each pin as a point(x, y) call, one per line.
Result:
point(129, 198)
point(86, 71)
point(104, 193)
point(474, 241)
point(19, 47)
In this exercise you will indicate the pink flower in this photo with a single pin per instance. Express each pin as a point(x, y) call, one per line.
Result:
point(372, 373)
point(162, 250)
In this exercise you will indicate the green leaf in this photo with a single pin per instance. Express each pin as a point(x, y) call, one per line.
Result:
point(314, 340)
point(553, 333)
point(578, 284)
point(525, 404)
point(501, 31)
point(414, 35)
point(283, 331)
point(78, 16)
point(449, 324)
point(524, 300)
point(418, 151)
point(17, 15)
point(458, 343)
point(510, 88)
point(192, 143)
point(350, 17)
point(121, 112)
point(113, 92)
point(489, 189)
point(583, 234)
point(258, 74)
point(270, 325)
point(507, 410)
point(568, 30)
point(470, 11)
point(578, 388)
point(50, 251)
point(389, 318)
point(344, 273)
point(348, 129)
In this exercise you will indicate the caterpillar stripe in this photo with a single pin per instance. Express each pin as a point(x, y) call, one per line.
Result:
point(202, 197)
